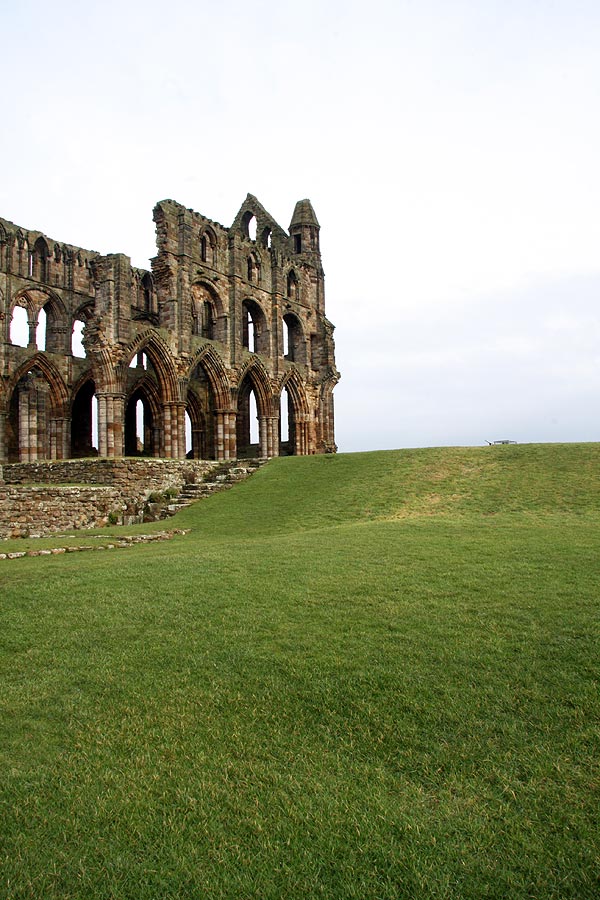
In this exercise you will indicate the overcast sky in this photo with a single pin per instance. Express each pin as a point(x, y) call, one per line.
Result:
point(450, 148)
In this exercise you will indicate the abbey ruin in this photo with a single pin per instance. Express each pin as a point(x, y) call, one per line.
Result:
point(175, 359)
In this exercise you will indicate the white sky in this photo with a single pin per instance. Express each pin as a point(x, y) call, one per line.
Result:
point(450, 148)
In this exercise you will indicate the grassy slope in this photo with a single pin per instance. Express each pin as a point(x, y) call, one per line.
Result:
point(370, 676)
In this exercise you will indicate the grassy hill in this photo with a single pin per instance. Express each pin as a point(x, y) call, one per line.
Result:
point(359, 676)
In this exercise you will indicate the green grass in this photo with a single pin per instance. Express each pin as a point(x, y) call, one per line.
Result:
point(359, 676)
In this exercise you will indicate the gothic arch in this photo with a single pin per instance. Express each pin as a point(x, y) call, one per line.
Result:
point(202, 434)
point(208, 358)
point(37, 406)
point(254, 372)
point(207, 312)
point(253, 315)
point(296, 343)
point(37, 298)
point(81, 408)
point(40, 254)
point(208, 245)
point(292, 381)
point(297, 441)
point(146, 390)
point(58, 389)
point(150, 343)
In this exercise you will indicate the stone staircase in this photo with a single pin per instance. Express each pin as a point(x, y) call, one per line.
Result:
point(222, 477)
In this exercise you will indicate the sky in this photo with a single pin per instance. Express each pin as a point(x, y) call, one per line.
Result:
point(450, 148)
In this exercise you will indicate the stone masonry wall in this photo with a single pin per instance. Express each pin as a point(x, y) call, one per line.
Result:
point(36, 511)
point(47, 497)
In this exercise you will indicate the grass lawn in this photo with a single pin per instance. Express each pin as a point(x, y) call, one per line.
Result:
point(361, 676)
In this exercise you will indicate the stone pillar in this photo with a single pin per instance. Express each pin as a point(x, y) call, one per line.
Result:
point(3, 447)
point(225, 434)
point(219, 434)
point(263, 435)
point(58, 430)
point(24, 426)
point(274, 436)
point(174, 419)
point(300, 443)
point(41, 418)
point(111, 410)
point(232, 444)
point(268, 435)
point(32, 325)
point(167, 430)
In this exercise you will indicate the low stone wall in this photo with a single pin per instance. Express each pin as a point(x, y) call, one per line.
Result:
point(34, 511)
point(43, 498)
point(154, 474)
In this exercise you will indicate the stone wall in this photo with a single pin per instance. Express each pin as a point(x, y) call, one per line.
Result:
point(47, 497)
point(36, 511)
point(147, 474)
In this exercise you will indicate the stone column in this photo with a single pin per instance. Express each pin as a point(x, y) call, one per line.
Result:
point(268, 435)
point(24, 425)
point(219, 434)
point(32, 325)
point(3, 447)
point(111, 409)
point(58, 431)
point(174, 419)
point(263, 435)
point(232, 442)
point(274, 436)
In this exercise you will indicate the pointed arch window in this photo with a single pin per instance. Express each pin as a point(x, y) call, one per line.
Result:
point(38, 260)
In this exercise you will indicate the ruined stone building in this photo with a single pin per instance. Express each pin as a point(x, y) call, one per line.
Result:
point(177, 358)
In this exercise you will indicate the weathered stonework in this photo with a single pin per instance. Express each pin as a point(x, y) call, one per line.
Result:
point(219, 317)
point(42, 498)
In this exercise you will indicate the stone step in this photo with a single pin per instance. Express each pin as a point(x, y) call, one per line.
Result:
point(222, 477)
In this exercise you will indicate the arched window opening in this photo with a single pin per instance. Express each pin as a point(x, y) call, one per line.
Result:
point(140, 434)
point(290, 435)
point(207, 315)
point(253, 420)
point(286, 338)
point(200, 409)
point(188, 436)
point(255, 336)
point(84, 422)
point(139, 426)
point(293, 289)
point(208, 245)
point(40, 331)
point(38, 261)
point(293, 339)
point(247, 422)
point(19, 327)
point(266, 238)
point(29, 436)
point(284, 417)
point(249, 225)
point(77, 348)
point(249, 332)
point(147, 288)
point(94, 421)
